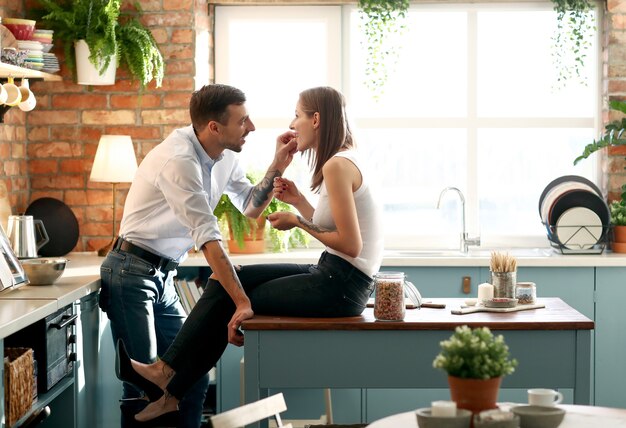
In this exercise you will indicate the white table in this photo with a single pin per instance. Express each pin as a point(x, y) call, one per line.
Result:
point(575, 417)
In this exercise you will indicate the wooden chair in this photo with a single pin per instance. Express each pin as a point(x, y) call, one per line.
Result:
point(253, 412)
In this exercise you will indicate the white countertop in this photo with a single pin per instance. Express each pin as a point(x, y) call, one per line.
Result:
point(534, 257)
point(26, 304)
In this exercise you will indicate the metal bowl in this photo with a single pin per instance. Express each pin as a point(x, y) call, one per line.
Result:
point(44, 270)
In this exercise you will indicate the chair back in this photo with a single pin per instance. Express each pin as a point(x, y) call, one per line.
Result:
point(253, 412)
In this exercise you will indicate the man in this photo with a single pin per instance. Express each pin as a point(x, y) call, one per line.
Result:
point(169, 209)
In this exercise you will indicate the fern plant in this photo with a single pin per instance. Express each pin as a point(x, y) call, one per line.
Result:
point(108, 33)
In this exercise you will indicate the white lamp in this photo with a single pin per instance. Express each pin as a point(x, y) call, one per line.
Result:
point(115, 163)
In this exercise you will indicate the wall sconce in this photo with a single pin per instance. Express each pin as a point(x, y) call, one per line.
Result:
point(115, 163)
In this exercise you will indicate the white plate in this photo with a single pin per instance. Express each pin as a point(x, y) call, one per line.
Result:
point(579, 228)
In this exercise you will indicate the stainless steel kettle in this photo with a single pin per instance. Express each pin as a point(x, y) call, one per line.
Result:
point(22, 231)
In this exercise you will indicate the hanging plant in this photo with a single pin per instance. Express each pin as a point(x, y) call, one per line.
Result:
point(572, 39)
point(381, 19)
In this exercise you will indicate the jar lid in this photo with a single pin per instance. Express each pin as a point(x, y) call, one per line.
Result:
point(389, 275)
point(525, 284)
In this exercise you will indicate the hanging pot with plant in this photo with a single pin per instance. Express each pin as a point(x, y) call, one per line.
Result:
point(380, 21)
point(108, 37)
point(572, 39)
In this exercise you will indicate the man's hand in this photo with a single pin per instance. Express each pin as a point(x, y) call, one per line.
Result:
point(286, 147)
point(235, 336)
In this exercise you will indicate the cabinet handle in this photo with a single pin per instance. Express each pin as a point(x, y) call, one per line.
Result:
point(467, 284)
point(65, 322)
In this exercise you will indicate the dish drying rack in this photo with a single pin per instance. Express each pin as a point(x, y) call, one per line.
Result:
point(597, 248)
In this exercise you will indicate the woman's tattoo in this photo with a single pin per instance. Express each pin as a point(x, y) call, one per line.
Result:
point(262, 190)
point(312, 226)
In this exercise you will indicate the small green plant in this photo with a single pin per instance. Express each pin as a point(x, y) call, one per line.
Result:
point(475, 354)
point(380, 19)
point(572, 39)
point(618, 210)
point(107, 32)
point(233, 220)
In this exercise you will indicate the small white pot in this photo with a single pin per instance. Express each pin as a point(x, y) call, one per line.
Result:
point(87, 73)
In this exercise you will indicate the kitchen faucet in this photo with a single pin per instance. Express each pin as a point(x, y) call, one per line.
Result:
point(465, 241)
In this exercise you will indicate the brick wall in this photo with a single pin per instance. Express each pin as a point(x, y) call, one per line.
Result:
point(63, 131)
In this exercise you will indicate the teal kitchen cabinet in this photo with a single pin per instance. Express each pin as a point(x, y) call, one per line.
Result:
point(575, 286)
point(610, 338)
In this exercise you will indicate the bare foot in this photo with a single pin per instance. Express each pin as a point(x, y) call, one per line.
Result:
point(158, 373)
point(167, 403)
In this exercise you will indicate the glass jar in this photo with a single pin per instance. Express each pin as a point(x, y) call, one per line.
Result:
point(526, 293)
point(389, 296)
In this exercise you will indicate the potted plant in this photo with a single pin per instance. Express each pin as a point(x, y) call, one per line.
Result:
point(475, 361)
point(613, 136)
point(97, 30)
point(247, 235)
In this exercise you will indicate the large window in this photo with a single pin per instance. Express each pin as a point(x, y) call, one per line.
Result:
point(471, 104)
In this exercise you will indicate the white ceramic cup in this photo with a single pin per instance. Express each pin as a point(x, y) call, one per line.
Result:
point(14, 96)
point(544, 397)
point(29, 101)
point(3, 95)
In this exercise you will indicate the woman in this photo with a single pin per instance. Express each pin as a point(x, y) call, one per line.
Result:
point(346, 220)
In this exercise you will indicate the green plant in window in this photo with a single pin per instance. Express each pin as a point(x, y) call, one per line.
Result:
point(572, 39)
point(380, 20)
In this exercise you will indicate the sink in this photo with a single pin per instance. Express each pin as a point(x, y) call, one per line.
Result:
point(473, 252)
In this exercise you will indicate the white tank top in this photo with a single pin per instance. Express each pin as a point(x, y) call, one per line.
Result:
point(370, 221)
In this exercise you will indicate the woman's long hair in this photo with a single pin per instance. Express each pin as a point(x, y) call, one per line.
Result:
point(334, 131)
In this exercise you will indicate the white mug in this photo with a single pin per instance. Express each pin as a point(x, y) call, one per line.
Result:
point(14, 96)
point(28, 98)
point(544, 397)
point(3, 95)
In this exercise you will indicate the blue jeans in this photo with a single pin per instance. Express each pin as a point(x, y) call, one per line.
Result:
point(332, 288)
point(145, 312)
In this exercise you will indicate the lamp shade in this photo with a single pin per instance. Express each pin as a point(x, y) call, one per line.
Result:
point(115, 160)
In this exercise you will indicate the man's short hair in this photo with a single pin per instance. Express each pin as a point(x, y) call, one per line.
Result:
point(211, 103)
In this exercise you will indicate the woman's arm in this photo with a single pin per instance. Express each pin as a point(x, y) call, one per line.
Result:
point(287, 191)
point(341, 177)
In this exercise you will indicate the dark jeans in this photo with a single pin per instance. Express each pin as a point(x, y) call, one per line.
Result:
point(145, 312)
point(332, 288)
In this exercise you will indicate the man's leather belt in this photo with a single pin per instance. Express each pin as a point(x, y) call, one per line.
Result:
point(160, 263)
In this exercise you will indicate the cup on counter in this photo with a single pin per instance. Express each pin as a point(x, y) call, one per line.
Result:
point(544, 397)
point(29, 101)
point(443, 408)
point(14, 96)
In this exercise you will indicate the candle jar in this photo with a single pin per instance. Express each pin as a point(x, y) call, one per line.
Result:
point(389, 296)
point(526, 293)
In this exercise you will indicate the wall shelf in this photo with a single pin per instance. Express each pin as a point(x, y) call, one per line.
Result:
point(8, 70)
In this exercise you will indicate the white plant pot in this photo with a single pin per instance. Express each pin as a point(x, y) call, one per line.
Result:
point(87, 73)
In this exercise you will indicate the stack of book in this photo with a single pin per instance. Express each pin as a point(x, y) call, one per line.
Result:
point(188, 292)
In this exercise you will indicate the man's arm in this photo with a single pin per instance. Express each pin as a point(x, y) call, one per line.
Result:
point(261, 194)
point(224, 272)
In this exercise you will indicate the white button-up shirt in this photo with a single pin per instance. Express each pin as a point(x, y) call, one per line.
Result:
point(170, 204)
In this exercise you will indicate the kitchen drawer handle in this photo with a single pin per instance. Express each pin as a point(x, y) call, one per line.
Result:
point(66, 321)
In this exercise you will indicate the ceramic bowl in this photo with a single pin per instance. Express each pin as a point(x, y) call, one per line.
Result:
point(44, 270)
point(539, 416)
point(426, 420)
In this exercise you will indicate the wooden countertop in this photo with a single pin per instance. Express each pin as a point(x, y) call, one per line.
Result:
point(557, 315)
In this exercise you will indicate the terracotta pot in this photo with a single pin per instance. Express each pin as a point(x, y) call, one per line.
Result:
point(254, 242)
point(475, 395)
point(619, 239)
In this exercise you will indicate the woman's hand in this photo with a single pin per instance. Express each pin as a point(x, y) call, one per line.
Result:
point(282, 220)
point(235, 336)
point(286, 191)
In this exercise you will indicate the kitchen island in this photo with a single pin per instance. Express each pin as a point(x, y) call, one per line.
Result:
point(552, 345)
